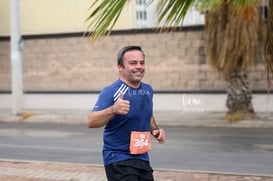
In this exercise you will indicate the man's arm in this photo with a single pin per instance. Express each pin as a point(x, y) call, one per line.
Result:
point(158, 133)
point(100, 118)
point(153, 124)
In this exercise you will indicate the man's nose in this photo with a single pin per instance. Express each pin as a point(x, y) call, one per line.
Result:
point(139, 65)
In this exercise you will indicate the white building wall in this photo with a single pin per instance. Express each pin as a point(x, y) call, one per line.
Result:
point(192, 18)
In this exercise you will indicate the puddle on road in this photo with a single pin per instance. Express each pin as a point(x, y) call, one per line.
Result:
point(265, 147)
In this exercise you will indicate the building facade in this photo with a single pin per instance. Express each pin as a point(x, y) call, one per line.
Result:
point(58, 57)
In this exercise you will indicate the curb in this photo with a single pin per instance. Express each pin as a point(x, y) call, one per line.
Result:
point(164, 118)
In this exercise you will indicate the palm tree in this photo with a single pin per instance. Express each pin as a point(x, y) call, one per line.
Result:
point(232, 44)
point(231, 38)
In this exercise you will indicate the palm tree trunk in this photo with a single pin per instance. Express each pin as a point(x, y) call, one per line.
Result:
point(239, 99)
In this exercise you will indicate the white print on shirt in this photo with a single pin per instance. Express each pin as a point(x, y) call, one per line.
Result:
point(132, 92)
point(138, 92)
point(123, 88)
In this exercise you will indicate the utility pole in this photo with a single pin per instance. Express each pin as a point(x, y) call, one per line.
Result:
point(16, 45)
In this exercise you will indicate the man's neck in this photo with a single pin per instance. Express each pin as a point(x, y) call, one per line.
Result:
point(131, 84)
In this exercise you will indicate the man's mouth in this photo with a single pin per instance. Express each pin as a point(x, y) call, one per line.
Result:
point(138, 73)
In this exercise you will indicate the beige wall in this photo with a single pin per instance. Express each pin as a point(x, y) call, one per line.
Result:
point(175, 61)
point(55, 16)
point(4, 17)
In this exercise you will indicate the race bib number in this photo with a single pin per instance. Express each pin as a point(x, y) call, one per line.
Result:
point(140, 142)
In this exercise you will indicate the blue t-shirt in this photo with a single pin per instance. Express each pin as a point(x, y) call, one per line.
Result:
point(117, 131)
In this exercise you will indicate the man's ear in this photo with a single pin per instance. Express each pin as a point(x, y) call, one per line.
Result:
point(120, 67)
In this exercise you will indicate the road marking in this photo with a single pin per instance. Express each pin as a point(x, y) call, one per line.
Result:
point(49, 148)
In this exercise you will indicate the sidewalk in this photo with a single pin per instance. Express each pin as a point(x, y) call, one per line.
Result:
point(170, 118)
point(15, 170)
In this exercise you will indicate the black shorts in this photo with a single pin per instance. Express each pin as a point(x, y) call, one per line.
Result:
point(129, 170)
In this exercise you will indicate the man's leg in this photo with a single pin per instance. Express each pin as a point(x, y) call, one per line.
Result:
point(117, 172)
point(131, 170)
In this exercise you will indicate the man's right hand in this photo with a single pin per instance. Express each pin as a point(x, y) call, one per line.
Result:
point(121, 106)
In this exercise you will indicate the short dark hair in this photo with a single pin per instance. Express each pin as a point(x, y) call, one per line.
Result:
point(123, 50)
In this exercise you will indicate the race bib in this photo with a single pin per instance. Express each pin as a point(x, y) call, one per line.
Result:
point(140, 142)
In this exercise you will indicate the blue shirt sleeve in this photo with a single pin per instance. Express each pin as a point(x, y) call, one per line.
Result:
point(105, 99)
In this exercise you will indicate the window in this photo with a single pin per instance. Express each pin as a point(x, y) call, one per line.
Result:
point(264, 12)
point(264, 9)
point(141, 15)
point(141, 2)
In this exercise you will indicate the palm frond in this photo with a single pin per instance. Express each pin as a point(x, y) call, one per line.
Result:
point(172, 12)
point(103, 18)
point(239, 4)
point(230, 39)
point(244, 8)
point(207, 5)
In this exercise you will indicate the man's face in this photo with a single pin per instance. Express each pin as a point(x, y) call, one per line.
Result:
point(134, 67)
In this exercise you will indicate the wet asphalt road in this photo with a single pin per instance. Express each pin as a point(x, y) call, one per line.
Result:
point(236, 150)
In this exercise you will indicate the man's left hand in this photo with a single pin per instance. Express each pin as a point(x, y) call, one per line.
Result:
point(159, 135)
